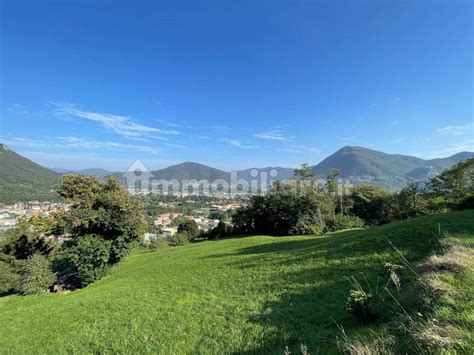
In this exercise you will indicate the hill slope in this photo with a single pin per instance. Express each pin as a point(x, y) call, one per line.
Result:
point(389, 170)
point(190, 170)
point(23, 180)
point(256, 294)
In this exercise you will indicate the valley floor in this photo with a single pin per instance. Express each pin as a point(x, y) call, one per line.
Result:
point(242, 295)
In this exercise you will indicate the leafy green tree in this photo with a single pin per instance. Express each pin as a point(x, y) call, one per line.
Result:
point(331, 178)
point(189, 227)
point(90, 256)
point(24, 246)
point(371, 203)
point(304, 172)
point(105, 210)
point(9, 276)
point(454, 184)
point(36, 275)
point(284, 211)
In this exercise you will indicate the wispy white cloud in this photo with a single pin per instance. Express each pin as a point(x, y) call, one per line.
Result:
point(122, 125)
point(463, 146)
point(396, 99)
point(398, 141)
point(299, 149)
point(394, 123)
point(18, 109)
point(237, 143)
point(77, 142)
point(276, 134)
point(458, 130)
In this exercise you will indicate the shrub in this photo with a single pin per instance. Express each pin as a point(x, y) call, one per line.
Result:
point(157, 243)
point(178, 239)
point(389, 272)
point(338, 222)
point(189, 227)
point(23, 247)
point(9, 277)
point(36, 275)
point(221, 230)
point(89, 256)
point(362, 306)
point(467, 203)
point(306, 229)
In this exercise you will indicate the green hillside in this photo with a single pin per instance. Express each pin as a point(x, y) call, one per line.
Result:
point(23, 180)
point(387, 170)
point(241, 295)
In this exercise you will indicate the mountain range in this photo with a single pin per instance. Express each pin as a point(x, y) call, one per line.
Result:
point(22, 179)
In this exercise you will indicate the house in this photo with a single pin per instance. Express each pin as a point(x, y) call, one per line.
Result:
point(169, 231)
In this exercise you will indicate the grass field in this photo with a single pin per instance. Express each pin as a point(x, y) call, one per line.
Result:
point(240, 295)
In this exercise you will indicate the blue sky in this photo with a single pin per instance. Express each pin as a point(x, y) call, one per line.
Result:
point(233, 84)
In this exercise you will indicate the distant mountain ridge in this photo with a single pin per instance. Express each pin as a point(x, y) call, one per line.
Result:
point(388, 170)
point(23, 180)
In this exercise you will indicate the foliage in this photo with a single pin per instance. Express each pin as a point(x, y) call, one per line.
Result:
point(337, 222)
point(466, 204)
point(390, 273)
point(103, 209)
point(371, 203)
point(178, 239)
point(9, 276)
point(363, 306)
point(158, 243)
point(89, 255)
point(285, 210)
point(36, 275)
point(251, 295)
point(221, 230)
point(454, 184)
point(23, 247)
point(189, 227)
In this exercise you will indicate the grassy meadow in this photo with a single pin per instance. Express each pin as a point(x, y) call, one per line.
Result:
point(240, 295)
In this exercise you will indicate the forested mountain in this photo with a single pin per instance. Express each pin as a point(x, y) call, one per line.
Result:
point(190, 170)
point(388, 170)
point(23, 180)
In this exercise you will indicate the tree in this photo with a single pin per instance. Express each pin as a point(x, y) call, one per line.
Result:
point(304, 172)
point(371, 203)
point(189, 227)
point(24, 246)
point(454, 184)
point(36, 275)
point(284, 211)
point(105, 210)
point(90, 256)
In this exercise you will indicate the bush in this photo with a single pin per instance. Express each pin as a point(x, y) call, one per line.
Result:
point(89, 256)
point(189, 227)
point(221, 230)
point(157, 243)
point(338, 222)
point(23, 247)
point(362, 306)
point(389, 272)
point(302, 228)
point(178, 239)
point(36, 275)
point(466, 204)
point(9, 277)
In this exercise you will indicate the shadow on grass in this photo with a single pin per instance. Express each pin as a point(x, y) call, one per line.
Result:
point(311, 287)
